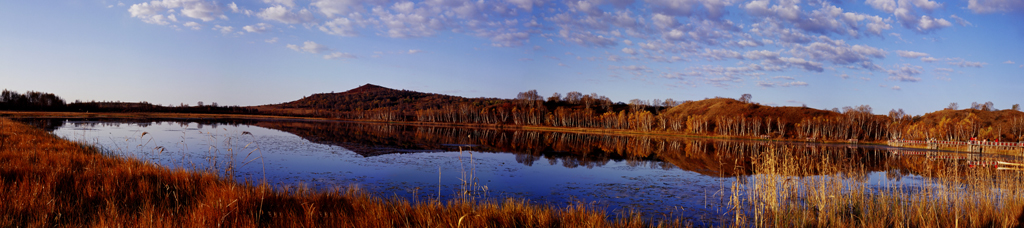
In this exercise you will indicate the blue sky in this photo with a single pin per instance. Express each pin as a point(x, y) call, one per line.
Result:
point(919, 55)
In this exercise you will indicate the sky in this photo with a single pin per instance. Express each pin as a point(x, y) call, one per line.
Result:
point(918, 55)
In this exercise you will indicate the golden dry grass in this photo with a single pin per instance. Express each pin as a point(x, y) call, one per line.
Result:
point(46, 181)
point(953, 196)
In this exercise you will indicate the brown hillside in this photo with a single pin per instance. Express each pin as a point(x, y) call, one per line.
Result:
point(1004, 124)
point(731, 107)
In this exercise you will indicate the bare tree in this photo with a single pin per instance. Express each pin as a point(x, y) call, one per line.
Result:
point(953, 106)
point(669, 102)
point(1015, 107)
point(555, 97)
point(529, 98)
point(573, 97)
point(637, 105)
point(746, 98)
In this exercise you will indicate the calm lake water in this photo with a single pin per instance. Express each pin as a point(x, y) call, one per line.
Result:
point(660, 176)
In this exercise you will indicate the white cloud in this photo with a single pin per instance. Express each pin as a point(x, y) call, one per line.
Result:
point(193, 25)
point(288, 3)
point(271, 40)
point(905, 73)
point(419, 22)
point(960, 21)
point(838, 52)
point(964, 63)
point(992, 6)
point(153, 12)
point(910, 54)
point(339, 27)
point(928, 24)
point(224, 29)
point(721, 54)
point(888, 6)
point(896, 88)
point(414, 51)
point(1009, 62)
point(637, 70)
point(339, 55)
point(629, 51)
point(929, 59)
point(284, 15)
point(310, 47)
point(785, 84)
point(257, 28)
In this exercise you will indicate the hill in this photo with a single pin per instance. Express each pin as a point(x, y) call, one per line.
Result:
point(732, 107)
point(365, 99)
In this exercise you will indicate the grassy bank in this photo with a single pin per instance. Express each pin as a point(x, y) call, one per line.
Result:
point(46, 181)
point(784, 193)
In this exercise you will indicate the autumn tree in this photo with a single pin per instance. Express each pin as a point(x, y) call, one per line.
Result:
point(529, 98)
point(573, 97)
point(745, 98)
point(555, 98)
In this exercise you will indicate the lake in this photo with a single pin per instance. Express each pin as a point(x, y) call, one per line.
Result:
point(661, 176)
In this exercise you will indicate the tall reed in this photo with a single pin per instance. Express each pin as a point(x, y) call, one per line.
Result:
point(787, 191)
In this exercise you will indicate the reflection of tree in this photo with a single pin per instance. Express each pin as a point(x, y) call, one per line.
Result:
point(720, 158)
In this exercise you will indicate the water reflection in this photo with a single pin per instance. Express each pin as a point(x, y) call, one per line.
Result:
point(717, 158)
point(658, 175)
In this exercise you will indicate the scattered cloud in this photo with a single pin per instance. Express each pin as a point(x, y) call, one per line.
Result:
point(309, 47)
point(284, 15)
point(784, 84)
point(896, 88)
point(161, 12)
point(994, 6)
point(257, 28)
point(415, 51)
point(964, 63)
point(193, 25)
point(960, 21)
point(910, 54)
point(224, 29)
point(905, 73)
point(339, 55)
point(1009, 62)
point(271, 40)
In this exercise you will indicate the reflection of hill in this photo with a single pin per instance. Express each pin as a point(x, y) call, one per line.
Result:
point(709, 157)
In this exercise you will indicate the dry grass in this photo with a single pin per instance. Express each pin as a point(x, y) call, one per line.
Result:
point(955, 196)
point(46, 181)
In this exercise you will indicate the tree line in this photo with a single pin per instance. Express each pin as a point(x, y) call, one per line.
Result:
point(39, 101)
